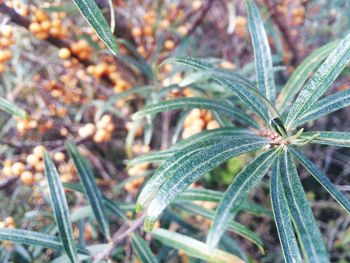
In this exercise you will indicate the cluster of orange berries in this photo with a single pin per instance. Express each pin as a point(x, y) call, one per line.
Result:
point(6, 40)
point(42, 26)
point(101, 132)
point(20, 7)
point(30, 171)
point(298, 16)
point(136, 170)
point(197, 121)
point(65, 90)
point(145, 36)
point(34, 122)
point(8, 222)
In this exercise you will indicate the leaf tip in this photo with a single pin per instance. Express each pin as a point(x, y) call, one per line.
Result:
point(138, 207)
point(149, 223)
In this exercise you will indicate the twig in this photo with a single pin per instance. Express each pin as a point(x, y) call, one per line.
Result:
point(118, 237)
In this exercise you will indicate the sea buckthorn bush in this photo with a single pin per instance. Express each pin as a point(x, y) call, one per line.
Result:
point(174, 131)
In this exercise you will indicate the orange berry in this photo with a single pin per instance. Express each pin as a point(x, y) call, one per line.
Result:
point(64, 53)
point(59, 157)
point(39, 151)
point(27, 178)
point(45, 25)
point(32, 159)
point(136, 32)
point(18, 168)
point(34, 27)
point(169, 44)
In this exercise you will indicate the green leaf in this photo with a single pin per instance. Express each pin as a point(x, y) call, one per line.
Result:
point(152, 157)
point(326, 106)
point(200, 103)
point(109, 205)
point(193, 247)
point(322, 179)
point(304, 222)
point(215, 196)
point(94, 16)
point(244, 91)
point(92, 191)
point(30, 238)
point(320, 81)
point(60, 208)
point(262, 53)
point(340, 139)
point(187, 149)
point(10, 108)
point(232, 225)
point(237, 192)
point(142, 249)
point(192, 167)
point(284, 226)
point(301, 74)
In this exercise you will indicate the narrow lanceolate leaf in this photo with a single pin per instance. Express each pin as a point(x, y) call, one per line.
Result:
point(340, 139)
point(193, 247)
point(326, 106)
point(320, 81)
point(244, 91)
point(215, 196)
point(152, 157)
point(232, 225)
point(237, 192)
point(94, 16)
point(262, 53)
point(60, 208)
point(301, 74)
point(322, 179)
point(10, 108)
point(199, 103)
point(304, 222)
point(109, 205)
point(186, 149)
point(284, 226)
point(29, 238)
point(196, 165)
point(92, 191)
point(142, 249)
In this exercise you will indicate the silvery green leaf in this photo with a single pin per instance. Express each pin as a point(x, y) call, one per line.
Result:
point(301, 74)
point(192, 167)
point(60, 208)
point(199, 103)
point(12, 109)
point(244, 91)
point(283, 223)
point(186, 149)
point(94, 16)
point(309, 235)
point(326, 106)
point(262, 53)
point(237, 192)
point(91, 189)
point(340, 139)
point(320, 81)
point(322, 179)
point(233, 226)
point(142, 249)
point(207, 195)
point(30, 238)
point(193, 247)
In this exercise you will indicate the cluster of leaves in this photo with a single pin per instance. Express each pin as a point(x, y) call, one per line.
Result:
point(190, 159)
point(187, 163)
